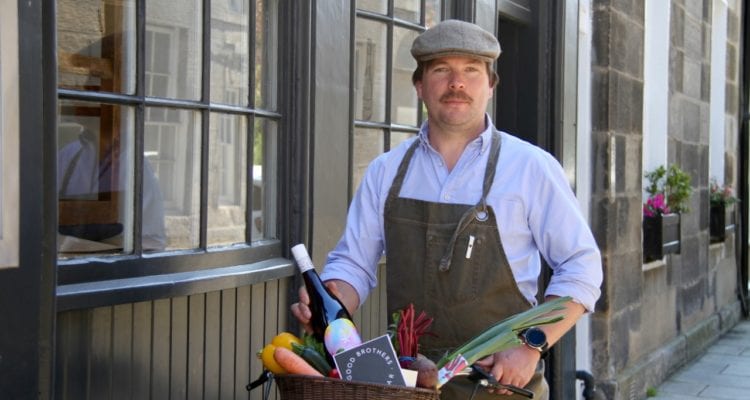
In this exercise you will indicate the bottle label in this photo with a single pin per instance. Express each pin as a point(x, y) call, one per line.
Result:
point(340, 335)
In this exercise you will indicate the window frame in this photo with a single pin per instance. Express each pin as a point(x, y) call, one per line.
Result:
point(121, 278)
point(387, 127)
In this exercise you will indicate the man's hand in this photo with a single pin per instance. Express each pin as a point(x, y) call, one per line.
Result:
point(514, 366)
point(344, 291)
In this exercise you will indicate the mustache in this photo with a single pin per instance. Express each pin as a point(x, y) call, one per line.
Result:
point(455, 95)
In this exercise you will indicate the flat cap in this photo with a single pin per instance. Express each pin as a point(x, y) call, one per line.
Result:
point(455, 38)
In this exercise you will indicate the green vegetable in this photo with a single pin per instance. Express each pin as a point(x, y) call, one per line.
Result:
point(312, 357)
point(504, 334)
point(310, 341)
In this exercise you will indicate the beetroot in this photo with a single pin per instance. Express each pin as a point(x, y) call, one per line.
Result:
point(427, 372)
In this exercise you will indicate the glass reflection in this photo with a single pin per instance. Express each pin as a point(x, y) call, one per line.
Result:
point(407, 10)
point(266, 55)
point(227, 183)
point(398, 137)
point(369, 70)
point(95, 178)
point(368, 144)
point(265, 167)
point(96, 45)
point(378, 6)
point(404, 102)
point(172, 148)
point(230, 58)
point(173, 49)
point(432, 12)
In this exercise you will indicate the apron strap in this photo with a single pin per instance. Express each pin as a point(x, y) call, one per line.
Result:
point(489, 172)
point(398, 181)
point(478, 212)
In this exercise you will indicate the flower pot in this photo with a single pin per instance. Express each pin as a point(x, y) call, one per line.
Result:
point(721, 221)
point(661, 236)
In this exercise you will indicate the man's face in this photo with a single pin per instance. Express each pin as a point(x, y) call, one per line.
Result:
point(456, 91)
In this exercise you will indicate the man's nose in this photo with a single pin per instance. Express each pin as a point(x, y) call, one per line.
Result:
point(456, 81)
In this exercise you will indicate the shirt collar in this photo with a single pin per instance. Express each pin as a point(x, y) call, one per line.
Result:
point(484, 139)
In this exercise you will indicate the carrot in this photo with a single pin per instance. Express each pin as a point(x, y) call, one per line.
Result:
point(293, 363)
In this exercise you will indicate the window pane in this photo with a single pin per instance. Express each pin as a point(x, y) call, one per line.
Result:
point(265, 170)
point(173, 153)
point(173, 49)
point(370, 67)
point(230, 69)
point(432, 12)
point(407, 10)
point(379, 6)
point(266, 55)
point(368, 144)
point(227, 183)
point(96, 45)
point(398, 137)
point(404, 102)
point(95, 178)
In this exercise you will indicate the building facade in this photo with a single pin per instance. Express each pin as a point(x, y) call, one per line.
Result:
point(159, 159)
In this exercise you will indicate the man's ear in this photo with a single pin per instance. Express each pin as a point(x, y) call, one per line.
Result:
point(418, 87)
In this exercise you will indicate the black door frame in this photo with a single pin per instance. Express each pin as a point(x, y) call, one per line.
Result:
point(27, 292)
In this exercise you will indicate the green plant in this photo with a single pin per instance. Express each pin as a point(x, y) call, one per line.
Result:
point(651, 392)
point(719, 195)
point(671, 186)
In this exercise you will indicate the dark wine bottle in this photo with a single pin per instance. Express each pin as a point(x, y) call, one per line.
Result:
point(331, 322)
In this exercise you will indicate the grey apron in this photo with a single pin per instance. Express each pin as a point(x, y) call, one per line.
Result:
point(465, 287)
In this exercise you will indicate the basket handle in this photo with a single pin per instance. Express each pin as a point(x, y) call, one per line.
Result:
point(265, 376)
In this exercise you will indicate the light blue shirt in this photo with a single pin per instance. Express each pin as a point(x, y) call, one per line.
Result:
point(535, 208)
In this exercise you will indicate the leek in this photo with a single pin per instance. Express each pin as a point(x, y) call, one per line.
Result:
point(498, 337)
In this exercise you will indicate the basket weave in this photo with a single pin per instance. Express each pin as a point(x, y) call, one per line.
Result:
point(293, 387)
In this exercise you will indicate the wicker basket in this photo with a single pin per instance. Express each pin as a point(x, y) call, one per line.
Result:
point(294, 387)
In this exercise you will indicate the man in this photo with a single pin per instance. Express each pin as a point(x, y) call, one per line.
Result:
point(82, 175)
point(463, 212)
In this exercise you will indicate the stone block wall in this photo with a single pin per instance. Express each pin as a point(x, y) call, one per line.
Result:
point(653, 318)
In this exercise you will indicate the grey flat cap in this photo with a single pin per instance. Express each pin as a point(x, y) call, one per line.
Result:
point(455, 38)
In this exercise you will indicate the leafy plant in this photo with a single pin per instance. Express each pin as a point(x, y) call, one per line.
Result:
point(669, 190)
point(406, 329)
point(719, 194)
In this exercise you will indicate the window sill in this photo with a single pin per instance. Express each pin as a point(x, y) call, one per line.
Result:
point(129, 290)
point(653, 265)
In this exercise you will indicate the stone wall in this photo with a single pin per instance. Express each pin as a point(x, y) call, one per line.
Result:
point(653, 318)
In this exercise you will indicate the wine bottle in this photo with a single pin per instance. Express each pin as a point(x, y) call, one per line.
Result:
point(331, 322)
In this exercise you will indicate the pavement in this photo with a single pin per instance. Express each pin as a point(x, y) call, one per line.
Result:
point(721, 372)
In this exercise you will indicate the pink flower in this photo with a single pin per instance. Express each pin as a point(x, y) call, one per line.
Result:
point(655, 205)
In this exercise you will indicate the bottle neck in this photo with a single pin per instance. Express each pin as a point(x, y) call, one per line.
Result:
point(304, 262)
point(305, 266)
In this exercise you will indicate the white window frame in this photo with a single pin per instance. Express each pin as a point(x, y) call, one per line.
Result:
point(717, 101)
point(9, 135)
point(657, 20)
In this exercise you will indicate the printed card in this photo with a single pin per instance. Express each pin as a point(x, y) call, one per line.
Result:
point(374, 361)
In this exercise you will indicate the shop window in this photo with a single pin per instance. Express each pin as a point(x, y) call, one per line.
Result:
point(157, 160)
point(386, 107)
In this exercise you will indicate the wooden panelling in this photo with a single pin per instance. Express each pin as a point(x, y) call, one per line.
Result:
point(193, 347)
point(372, 319)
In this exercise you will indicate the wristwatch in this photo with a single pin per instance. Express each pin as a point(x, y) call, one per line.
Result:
point(535, 338)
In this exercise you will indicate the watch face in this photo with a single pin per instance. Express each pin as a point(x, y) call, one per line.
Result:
point(535, 337)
